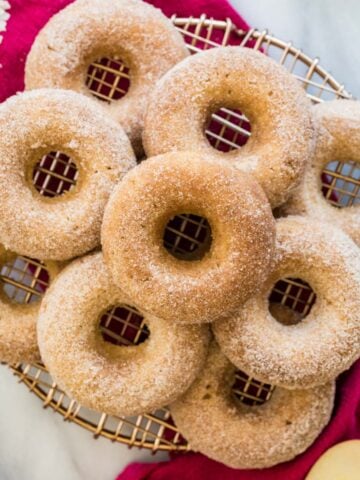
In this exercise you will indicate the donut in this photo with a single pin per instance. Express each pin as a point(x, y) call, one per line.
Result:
point(239, 252)
point(325, 342)
point(118, 380)
point(337, 138)
point(18, 342)
point(130, 31)
point(218, 425)
point(32, 124)
point(237, 78)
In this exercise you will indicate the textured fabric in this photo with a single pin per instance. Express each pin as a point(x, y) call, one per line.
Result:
point(27, 18)
point(4, 16)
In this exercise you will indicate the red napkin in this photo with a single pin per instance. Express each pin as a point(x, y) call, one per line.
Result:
point(27, 18)
point(345, 425)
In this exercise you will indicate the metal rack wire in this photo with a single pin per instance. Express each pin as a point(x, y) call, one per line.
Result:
point(54, 174)
point(341, 183)
point(123, 325)
point(24, 280)
point(108, 80)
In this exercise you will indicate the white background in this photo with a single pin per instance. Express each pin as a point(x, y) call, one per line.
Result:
point(328, 29)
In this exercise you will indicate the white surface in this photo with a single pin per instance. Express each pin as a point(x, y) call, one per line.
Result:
point(37, 444)
point(328, 29)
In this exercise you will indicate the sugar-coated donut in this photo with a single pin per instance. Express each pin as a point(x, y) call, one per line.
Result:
point(218, 425)
point(126, 380)
point(33, 124)
point(87, 30)
point(18, 342)
point(241, 247)
point(243, 79)
point(337, 125)
point(327, 340)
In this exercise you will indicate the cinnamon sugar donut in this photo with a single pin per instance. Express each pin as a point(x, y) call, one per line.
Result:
point(218, 425)
point(240, 250)
point(338, 138)
point(18, 342)
point(243, 79)
point(119, 380)
point(85, 31)
point(327, 341)
point(32, 124)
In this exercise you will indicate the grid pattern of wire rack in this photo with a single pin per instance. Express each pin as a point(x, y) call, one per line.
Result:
point(227, 130)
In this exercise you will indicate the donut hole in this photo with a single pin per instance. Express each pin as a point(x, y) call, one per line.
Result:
point(227, 129)
point(187, 236)
point(54, 174)
point(250, 391)
point(123, 325)
point(108, 79)
point(291, 300)
point(24, 280)
point(340, 183)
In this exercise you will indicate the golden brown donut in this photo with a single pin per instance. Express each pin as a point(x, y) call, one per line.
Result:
point(241, 248)
point(327, 341)
point(243, 79)
point(87, 30)
point(18, 342)
point(218, 425)
point(337, 126)
point(119, 380)
point(33, 124)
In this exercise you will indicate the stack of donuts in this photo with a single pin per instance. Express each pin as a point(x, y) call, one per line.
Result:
point(103, 240)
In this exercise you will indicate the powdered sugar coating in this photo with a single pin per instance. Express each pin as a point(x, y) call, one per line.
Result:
point(243, 79)
point(327, 341)
point(242, 236)
point(87, 30)
point(18, 342)
point(337, 126)
point(117, 380)
point(240, 436)
point(33, 124)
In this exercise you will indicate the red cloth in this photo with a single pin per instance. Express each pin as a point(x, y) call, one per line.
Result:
point(27, 17)
point(345, 425)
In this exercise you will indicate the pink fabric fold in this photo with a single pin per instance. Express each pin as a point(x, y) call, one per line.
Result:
point(29, 16)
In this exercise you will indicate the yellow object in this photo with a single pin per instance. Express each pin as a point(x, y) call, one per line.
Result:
point(340, 462)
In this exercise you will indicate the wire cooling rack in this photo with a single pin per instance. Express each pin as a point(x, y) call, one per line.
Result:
point(24, 280)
